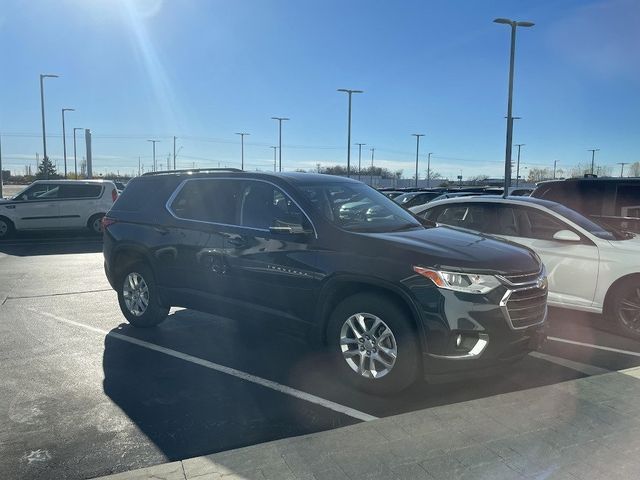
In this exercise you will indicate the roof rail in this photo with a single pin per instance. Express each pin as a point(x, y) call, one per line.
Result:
point(193, 170)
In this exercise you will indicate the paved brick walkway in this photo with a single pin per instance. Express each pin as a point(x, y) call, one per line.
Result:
point(582, 429)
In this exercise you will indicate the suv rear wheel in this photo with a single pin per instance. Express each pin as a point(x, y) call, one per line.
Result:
point(624, 307)
point(138, 297)
point(373, 344)
point(95, 224)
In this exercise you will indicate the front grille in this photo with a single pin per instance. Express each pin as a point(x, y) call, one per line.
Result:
point(526, 307)
point(521, 278)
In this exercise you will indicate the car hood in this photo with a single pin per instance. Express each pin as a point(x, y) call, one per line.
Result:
point(453, 249)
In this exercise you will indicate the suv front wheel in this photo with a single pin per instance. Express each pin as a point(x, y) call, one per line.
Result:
point(373, 344)
point(138, 297)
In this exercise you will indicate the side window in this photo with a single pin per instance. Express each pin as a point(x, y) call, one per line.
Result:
point(473, 217)
point(42, 191)
point(80, 191)
point(208, 200)
point(628, 201)
point(263, 205)
point(539, 225)
point(591, 197)
point(506, 224)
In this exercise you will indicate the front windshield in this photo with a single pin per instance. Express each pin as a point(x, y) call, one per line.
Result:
point(358, 208)
point(594, 228)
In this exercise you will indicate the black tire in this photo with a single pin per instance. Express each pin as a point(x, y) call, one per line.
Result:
point(620, 310)
point(154, 313)
point(406, 367)
point(7, 228)
point(95, 224)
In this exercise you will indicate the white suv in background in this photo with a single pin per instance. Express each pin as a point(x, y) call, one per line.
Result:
point(58, 205)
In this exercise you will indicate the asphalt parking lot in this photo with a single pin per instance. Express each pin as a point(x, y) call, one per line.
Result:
point(85, 395)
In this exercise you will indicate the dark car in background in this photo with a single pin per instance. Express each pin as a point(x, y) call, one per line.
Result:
point(411, 199)
point(390, 299)
point(614, 202)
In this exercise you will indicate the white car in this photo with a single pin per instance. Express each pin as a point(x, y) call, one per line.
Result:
point(58, 205)
point(590, 267)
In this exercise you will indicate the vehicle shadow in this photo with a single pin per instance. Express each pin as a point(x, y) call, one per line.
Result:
point(187, 409)
point(24, 244)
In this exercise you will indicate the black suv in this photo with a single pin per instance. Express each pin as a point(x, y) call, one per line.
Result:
point(614, 202)
point(389, 297)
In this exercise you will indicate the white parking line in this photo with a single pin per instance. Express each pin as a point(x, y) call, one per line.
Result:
point(598, 347)
point(336, 407)
point(565, 362)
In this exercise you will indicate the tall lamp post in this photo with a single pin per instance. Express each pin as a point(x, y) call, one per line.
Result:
point(371, 181)
point(64, 139)
point(75, 153)
point(242, 134)
point(417, 135)
point(280, 120)
point(44, 133)
point(275, 149)
point(593, 157)
point(155, 167)
point(429, 169)
point(349, 92)
point(360, 158)
point(507, 160)
point(518, 163)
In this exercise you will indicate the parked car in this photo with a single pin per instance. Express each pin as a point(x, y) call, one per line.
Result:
point(612, 201)
point(411, 199)
point(58, 205)
point(591, 267)
point(391, 299)
point(454, 194)
point(392, 193)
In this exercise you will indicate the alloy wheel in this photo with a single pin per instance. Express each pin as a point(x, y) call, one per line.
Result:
point(97, 225)
point(629, 310)
point(136, 294)
point(4, 228)
point(368, 345)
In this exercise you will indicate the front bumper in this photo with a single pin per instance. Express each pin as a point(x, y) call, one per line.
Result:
point(471, 334)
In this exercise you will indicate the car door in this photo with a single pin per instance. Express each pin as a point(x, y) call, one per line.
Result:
point(77, 201)
point(572, 266)
point(194, 268)
point(270, 253)
point(37, 207)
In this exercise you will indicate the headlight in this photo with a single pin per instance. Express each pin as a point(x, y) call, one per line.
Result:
point(460, 282)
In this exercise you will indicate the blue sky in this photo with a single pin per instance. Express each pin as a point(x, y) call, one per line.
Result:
point(204, 69)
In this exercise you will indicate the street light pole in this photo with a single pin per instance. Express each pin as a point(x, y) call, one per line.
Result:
point(280, 119)
point(174, 152)
point(44, 133)
point(155, 167)
point(372, 152)
point(75, 155)
point(242, 134)
point(64, 139)
point(429, 169)
point(349, 92)
point(622, 164)
point(507, 161)
point(417, 135)
point(275, 149)
point(518, 164)
point(360, 158)
point(593, 156)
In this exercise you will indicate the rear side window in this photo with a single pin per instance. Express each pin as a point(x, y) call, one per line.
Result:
point(585, 197)
point(80, 191)
point(628, 200)
point(208, 200)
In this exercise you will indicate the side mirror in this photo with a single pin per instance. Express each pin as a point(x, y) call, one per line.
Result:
point(566, 236)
